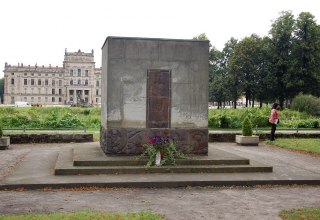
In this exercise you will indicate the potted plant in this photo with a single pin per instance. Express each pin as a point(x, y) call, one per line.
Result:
point(4, 141)
point(247, 138)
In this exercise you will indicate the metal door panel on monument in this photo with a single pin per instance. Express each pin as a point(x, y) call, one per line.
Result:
point(158, 99)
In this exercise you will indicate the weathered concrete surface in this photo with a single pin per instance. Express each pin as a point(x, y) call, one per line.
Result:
point(125, 63)
point(36, 170)
point(153, 83)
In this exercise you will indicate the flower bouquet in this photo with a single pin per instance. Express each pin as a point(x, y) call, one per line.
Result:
point(161, 151)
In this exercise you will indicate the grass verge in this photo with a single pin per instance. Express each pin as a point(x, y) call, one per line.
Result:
point(304, 145)
point(144, 215)
point(305, 213)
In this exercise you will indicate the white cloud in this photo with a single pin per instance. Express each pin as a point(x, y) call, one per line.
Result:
point(37, 31)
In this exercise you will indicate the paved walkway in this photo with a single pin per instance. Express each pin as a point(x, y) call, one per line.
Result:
point(33, 164)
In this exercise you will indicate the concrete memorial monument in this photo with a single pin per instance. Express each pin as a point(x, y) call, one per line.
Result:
point(154, 87)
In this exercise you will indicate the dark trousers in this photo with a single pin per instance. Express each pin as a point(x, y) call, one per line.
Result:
point(273, 131)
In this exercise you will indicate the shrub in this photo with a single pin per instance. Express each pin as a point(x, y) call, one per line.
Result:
point(307, 103)
point(246, 127)
point(224, 121)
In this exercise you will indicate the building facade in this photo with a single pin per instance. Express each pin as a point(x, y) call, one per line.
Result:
point(77, 82)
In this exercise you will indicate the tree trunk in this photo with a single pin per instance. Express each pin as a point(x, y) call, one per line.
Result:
point(260, 103)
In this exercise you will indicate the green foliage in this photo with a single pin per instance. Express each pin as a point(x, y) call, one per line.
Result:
point(310, 145)
point(232, 118)
point(1, 132)
point(168, 152)
point(84, 215)
point(306, 103)
point(49, 118)
point(246, 127)
point(301, 213)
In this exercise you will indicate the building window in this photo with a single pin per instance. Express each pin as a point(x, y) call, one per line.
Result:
point(25, 82)
point(79, 72)
point(60, 91)
point(25, 74)
point(32, 90)
point(60, 100)
point(97, 100)
point(39, 74)
point(12, 81)
point(86, 82)
point(86, 92)
point(32, 82)
point(25, 99)
point(97, 91)
point(46, 74)
point(46, 99)
point(86, 99)
point(46, 91)
point(39, 99)
point(71, 99)
point(87, 73)
point(71, 92)
point(60, 82)
point(39, 82)
point(39, 90)
point(32, 99)
point(79, 82)
point(71, 72)
point(12, 99)
point(53, 99)
point(53, 82)
point(25, 90)
point(32, 74)
point(71, 82)
point(53, 91)
point(97, 83)
point(46, 82)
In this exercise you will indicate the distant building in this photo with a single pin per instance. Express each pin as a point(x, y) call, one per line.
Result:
point(77, 82)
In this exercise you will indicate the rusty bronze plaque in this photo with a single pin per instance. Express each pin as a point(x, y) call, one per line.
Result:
point(158, 99)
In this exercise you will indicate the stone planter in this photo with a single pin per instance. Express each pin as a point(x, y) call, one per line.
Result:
point(247, 140)
point(4, 143)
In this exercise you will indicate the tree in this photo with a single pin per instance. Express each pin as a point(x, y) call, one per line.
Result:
point(264, 78)
point(281, 37)
point(217, 89)
point(220, 88)
point(306, 53)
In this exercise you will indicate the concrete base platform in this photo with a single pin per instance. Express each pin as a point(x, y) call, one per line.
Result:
point(35, 170)
point(90, 160)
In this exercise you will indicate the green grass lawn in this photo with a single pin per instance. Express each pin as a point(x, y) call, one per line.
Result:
point(297, 214)
point(309, 145)
point(85, 215)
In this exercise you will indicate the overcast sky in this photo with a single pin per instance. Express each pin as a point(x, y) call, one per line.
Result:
point(38, 31)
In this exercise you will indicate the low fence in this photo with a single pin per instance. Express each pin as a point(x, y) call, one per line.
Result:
point(231, 137)
point(49, 138)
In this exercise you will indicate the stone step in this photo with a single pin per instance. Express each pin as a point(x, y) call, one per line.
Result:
point(142, 162)
point(68, 156)
point(94, 156)
point(94, 170)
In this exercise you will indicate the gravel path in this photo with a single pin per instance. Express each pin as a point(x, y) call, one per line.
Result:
point(183, 203)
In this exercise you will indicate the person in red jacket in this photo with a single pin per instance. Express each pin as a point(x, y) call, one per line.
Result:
point(274, 120)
